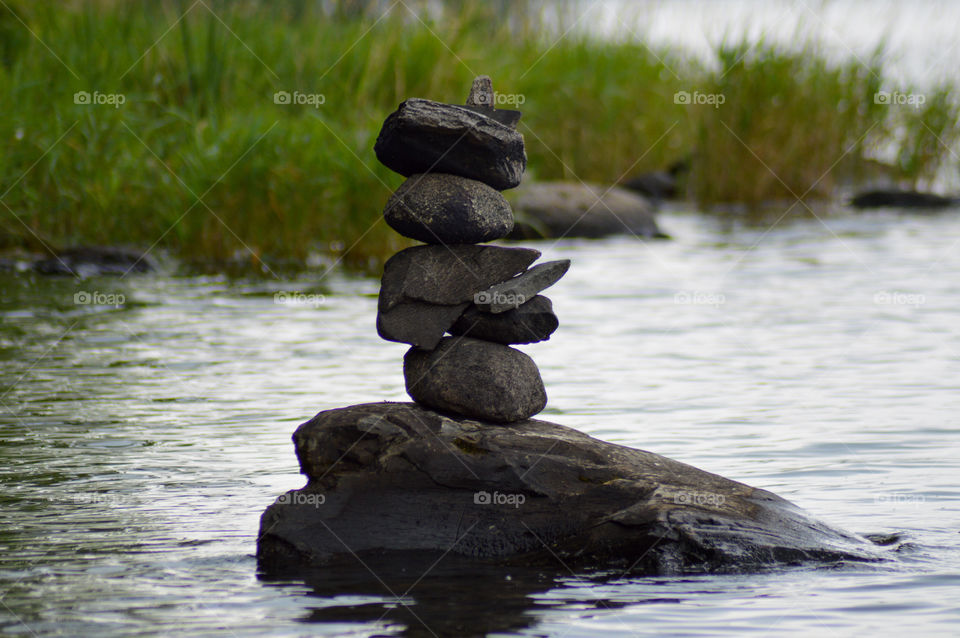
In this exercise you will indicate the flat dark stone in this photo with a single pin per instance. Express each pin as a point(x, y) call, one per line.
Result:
point(437, 208)
point(418, 323)
point(448, 275)
point(93, 261)
point(511, 294)
point(476, 379)
point(423, 136)
point(397, 479)
point(894, 198)
point(532, 322)
point(507, 117)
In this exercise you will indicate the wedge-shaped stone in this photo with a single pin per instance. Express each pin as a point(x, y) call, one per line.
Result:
point(515, 292)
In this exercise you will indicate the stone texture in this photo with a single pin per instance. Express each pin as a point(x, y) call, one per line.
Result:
point(531, 322)
point(418, 323)
point(437, 208)
point(482, 100)
point(423, 136)
point(406, 483)
point(476, 379)
point(562, 209)
point(448, 275)
point(481, 92)
point(514, 292)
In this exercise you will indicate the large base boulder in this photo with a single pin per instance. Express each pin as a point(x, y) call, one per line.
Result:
point(392, 479)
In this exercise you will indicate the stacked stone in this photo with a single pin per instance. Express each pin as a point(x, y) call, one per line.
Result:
point(457, 160)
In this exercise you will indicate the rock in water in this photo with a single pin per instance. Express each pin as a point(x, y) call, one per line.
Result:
point(563, 209)
point(531, 322)
point(475, 378)
point(512, 293)
point(437, 208)
point(448, 275)
point(393, 478)
point(423, 136)
point(901, 199)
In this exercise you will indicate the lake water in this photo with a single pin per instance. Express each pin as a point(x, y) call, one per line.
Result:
point(818, 359)
point(919, 37)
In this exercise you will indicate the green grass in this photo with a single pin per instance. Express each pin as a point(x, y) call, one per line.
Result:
point(280, 181)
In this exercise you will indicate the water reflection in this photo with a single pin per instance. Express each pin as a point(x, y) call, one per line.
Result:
point(139, 444)
point(447, 597)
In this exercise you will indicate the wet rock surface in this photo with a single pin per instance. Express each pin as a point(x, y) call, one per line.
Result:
point(388, 479)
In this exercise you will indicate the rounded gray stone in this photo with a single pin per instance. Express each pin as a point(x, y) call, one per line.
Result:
point(438, 208)
point(476, 379)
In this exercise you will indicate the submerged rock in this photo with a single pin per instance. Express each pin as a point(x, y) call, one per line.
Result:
point(391, 479)
point(93, 261)
point(895, 198)
point(475, 378)
point(567, 209)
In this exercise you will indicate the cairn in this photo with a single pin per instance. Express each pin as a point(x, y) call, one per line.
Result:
point(457, 159)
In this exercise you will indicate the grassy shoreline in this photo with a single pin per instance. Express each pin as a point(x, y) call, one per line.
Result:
point(200, 160)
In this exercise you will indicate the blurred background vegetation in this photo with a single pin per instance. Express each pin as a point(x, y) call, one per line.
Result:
point(199, 160)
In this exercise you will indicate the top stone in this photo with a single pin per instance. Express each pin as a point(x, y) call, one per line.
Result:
point(483, 100)
point(471, 141)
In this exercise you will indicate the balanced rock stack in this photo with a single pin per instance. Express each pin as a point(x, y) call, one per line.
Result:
point(457, 160)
